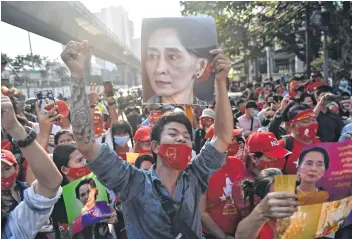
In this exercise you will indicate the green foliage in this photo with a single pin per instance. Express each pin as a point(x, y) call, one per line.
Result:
point(246, 28)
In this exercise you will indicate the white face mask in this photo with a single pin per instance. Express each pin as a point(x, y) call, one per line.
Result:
point(121, 141)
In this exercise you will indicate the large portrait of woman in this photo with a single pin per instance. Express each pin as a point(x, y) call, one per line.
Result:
point(312, 164)
point(176, 65)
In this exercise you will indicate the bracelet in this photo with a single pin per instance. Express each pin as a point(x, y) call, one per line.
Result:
point(22, 143)
point(92, 106)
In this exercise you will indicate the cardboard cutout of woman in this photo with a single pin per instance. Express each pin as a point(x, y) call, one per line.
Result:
point(176, 61)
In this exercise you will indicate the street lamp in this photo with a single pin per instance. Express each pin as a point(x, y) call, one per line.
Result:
point(321, 20)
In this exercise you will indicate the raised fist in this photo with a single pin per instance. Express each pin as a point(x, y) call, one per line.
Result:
point(75, 55)
point(8, 116)
point(221, 65)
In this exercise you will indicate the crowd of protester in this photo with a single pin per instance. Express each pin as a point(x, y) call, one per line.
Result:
point(217, 180)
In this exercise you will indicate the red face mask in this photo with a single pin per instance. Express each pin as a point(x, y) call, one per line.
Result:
point(335, 110)
point(143, 151)
point(176, 156)
point(206, 122)
point(98, 130)
point(263, 164)
point(77, 173)
point(308, 132)
point(6, 183)
point(232, 150)
point(154, 117)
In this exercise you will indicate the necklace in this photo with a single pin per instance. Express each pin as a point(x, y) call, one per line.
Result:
point(308, 198)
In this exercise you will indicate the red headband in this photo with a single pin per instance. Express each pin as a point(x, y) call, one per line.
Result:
point(302, 116)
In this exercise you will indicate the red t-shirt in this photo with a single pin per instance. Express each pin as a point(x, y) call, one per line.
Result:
point(122, 155)
point(292, 94)
point(221, 202)
point(267, 232)
point(291, 166)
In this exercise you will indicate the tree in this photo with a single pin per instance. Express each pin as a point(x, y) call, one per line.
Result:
point(6, 58)
point(245, 28)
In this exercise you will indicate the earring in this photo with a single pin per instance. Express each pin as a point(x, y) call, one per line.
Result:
point(198, 75)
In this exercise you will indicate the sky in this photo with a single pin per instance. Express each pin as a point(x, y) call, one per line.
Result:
point(14, 41)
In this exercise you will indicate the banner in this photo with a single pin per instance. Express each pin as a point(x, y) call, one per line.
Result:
point(176, 65)
point(328, 166)
point(315, 221)
point(324, 192)
point(86, 202)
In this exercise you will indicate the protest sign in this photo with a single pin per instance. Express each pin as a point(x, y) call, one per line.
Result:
point(315, 221)
point(131, 157)
point(328, 166)
point(176, 60)
point(86, 202)
point(326, 205)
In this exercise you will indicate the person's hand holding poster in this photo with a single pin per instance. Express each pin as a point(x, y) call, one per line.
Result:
point(176, 63)
point(324, 192)
point(85, 202)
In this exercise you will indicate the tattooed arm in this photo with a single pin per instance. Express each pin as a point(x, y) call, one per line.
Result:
point(75, 56)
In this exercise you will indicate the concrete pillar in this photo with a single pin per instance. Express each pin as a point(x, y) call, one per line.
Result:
point(269, 60)
point(299, 65)
point(291, 66)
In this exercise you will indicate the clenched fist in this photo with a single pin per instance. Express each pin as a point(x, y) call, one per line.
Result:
point(221, 65)
point(75, 56)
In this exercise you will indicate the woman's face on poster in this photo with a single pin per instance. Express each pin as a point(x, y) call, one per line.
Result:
point(170, 67)
point(312, 167)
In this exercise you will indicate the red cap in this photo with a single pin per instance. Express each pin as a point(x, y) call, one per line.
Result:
point(8, 157)
point(266, 143)
point(210, 132)
point(142, 134)
point(62, 108)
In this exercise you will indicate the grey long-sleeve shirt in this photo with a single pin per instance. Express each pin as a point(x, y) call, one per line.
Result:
point(143, 213)
point(30, 215)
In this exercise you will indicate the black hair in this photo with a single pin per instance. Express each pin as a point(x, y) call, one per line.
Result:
point(239, 102)
point(60, 133)
point(345, 94)
point(292, 110)
point(158, 127)
point(305, 95)
point(251, 104)
point(122, 126)
point(323, 89)
point(61, 157)
point(249, 85)
point(88, 181)
point(315, 149)
point(143, 158)
point(260, 186)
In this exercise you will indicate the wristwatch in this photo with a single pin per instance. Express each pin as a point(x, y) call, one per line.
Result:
point(92, 106)
point(22, 143)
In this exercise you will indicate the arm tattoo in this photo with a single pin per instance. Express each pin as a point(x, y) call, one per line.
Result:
point(82, 124)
